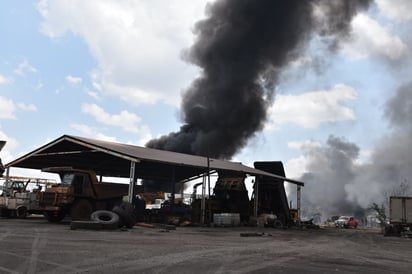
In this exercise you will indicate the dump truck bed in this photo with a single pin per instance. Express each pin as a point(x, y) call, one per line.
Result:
point(110, 190)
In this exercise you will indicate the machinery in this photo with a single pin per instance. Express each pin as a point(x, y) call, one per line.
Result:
point(269, 195)
point(229, 196)
point(20, 196)
point(79, 194)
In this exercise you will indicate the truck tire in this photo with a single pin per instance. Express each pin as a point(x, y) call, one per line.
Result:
point(126, 214)
point(108, 219)
point(81, 210)
point(21, 212)
point(54, 216)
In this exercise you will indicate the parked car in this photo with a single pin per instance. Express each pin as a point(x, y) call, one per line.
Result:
point(346, 222)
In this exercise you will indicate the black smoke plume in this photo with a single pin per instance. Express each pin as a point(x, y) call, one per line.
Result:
point(241, 47)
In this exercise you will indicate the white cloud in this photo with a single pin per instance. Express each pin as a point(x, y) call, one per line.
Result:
point(137, 44)
point(304, 145)
point(92, 131)
point(296, 167)
point(24, 67)
point(29, 107)
point(396, 9)
point(96, 134)
point(126, 120)
point(93, 94)
point(39, 85)
point(4, 80)
point(7, 108)
point(301, 61)
point(370, 38)
point(73, 80)
point(311, 109)
point(85, 129)
point(11, 144)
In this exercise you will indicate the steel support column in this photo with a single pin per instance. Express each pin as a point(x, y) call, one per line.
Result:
point(172, 198)
point(132, 181)
point(298, 200)
point(256, 198)
point(203, 202)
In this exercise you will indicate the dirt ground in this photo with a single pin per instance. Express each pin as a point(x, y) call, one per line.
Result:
point(35, 246)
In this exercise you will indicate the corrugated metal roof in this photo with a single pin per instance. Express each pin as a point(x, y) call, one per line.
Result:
point(113, 159)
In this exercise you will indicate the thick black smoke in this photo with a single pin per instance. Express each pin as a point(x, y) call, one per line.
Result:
point(241, 48)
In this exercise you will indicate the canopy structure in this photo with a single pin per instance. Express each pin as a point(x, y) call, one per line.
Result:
point(123, 160)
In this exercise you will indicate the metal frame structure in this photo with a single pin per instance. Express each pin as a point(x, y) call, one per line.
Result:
point(129, 161)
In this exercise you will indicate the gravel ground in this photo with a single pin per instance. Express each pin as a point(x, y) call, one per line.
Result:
point(35, 246)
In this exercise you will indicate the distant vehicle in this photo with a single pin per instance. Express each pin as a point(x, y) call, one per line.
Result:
point(19, 196)
point(346, 222)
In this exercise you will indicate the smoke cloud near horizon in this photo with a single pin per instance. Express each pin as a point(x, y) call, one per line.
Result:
point(242, 47)
point(338, 185)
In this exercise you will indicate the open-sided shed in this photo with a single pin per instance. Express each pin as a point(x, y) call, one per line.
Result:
point(124, 160)
point(111, 159)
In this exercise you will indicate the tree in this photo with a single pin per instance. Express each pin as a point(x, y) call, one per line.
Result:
point(380, 213)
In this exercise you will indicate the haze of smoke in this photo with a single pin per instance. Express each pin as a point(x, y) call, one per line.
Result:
point(241, 47)
point(339, 186)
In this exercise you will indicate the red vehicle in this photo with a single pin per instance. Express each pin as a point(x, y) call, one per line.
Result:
point(346, 222)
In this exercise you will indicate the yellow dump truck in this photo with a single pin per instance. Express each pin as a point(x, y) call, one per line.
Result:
point(79, 194)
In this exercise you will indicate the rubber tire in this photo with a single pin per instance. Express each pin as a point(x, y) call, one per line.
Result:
point(21, 212)
point(108, 219)
point(54, 216)
point(277, 224)
point(81, 210)
point(126, 214)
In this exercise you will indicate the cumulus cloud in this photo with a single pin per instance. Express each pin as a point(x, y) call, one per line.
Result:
point(7, 108)
point(128, 121)
point(370, 38)
point(24, 67)
point(96, 133)
point(137, 53)
point(11, 144)
point(93, 94)
point(311, 109)
point(27, 107)
point(92, 131)
point(73, 80)
point(4, 80)
point(399, 10)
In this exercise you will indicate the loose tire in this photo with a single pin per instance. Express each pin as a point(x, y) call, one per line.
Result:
point(126, 214)
point(108, 219)
point(81, 210)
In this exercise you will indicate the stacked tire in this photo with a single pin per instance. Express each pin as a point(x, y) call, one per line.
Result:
point(126, 213)
point(107, 219)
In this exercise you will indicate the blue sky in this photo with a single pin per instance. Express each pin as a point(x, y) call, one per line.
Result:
point(112, 70)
